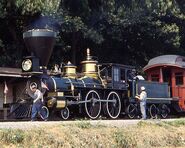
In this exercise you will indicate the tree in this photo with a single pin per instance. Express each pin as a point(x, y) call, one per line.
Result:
point(15, 17)
point(140, 29)
point(116, 30)
point(77, 26)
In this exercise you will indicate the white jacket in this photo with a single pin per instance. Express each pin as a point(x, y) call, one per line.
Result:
point(143, 96)
point(37, 96)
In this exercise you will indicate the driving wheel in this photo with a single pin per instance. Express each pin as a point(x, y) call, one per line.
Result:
point(92, 104)
point(113, 105)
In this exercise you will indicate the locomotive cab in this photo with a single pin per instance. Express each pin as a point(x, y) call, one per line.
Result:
point(116, 76)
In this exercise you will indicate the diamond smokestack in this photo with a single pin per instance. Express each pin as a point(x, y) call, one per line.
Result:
point(40, 43)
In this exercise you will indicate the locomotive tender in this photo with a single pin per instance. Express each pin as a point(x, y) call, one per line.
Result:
point(106, 89)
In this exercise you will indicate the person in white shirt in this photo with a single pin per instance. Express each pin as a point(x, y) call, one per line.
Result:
point(37, 101)
point(142, 98)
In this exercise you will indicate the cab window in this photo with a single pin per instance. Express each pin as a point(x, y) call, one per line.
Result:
point(116, 74)
point(122, 75)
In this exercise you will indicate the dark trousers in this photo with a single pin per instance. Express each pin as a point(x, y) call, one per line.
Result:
point(36, 108)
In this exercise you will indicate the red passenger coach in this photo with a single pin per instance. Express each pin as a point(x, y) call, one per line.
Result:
point(171, 69)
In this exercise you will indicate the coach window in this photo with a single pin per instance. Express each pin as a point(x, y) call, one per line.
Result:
point(179, 78)
point(155, 77)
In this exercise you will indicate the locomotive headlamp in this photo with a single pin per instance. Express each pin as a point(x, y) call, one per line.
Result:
point(27, 65)
point(30, 64)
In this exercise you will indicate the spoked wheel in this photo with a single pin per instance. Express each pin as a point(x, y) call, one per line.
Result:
point(153, 111)
point(164, 110)
point(44, 113)
point(92, 104)
point(132, 111)
point(65, 113)
point(113, 105)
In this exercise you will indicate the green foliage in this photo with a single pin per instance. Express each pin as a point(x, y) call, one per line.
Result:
point(2, 9)
point(127, 30)
point(35, 6)
point(176, 123)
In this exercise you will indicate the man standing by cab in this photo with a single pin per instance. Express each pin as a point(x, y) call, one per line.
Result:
point(142, 98)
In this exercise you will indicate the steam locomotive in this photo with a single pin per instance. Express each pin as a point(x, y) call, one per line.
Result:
point(105, 89)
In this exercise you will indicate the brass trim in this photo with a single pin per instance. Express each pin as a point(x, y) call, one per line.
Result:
point(58, 94)
point(89, 66)
point(129, 93)
point(84, 62)
point(70, 71)
point(70, 66)
point(104, 82)
point(61, 104)
point(51, 102)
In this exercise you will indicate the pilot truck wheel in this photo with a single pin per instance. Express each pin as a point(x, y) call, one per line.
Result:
point(65, 113)
point(44, 113)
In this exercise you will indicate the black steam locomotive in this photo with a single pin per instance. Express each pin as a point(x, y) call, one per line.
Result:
point(106, 89)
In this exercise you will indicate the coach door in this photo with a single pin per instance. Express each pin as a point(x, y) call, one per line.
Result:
point(167, 77)
point(178, 85)
point(180, 88)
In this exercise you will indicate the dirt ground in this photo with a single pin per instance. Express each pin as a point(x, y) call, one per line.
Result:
point(110, 123)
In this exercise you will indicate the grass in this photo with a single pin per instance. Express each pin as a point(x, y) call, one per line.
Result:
point(83, 134)
point(12, 136)
point(176, 123)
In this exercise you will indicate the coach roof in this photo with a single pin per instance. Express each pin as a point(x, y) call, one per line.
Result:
point(166, 60)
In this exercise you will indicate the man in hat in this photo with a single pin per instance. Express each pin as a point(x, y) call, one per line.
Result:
point(37, 102)
point(142, 98)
